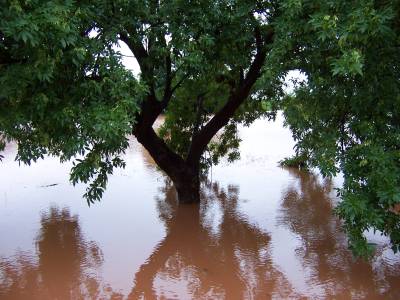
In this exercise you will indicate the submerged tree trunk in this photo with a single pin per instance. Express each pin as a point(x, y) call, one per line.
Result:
point(184, 175)
point(188, 186)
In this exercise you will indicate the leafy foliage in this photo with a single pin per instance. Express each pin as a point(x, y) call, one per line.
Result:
point(346, 117)
point(63, 92)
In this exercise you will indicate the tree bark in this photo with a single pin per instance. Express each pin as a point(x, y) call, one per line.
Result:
point(188, 186)
point(184, 175)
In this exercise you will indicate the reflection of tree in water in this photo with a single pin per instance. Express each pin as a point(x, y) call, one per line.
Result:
point(230, 259)
point(64, 269)
point(307, 212)
point(231, 262)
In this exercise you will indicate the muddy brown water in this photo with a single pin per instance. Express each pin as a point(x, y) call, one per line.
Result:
point(260, 232)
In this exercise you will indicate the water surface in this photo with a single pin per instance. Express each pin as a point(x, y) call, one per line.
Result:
point(260, 232)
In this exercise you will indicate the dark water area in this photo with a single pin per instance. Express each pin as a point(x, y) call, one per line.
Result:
point(260, 232)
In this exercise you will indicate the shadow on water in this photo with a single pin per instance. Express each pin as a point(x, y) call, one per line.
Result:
point(65, 266)
point(307, 211)
point(229, 262)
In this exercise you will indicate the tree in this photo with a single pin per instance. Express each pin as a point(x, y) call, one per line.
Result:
point(67, 92)
point(208, 66)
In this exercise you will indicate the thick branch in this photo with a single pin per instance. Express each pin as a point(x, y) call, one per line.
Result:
point(165, 158)
point(137, 49)
point(168, 80)
point(151, 107)
point(237, 97)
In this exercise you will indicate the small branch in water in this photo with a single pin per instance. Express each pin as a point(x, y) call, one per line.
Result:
point(298, 161)
point(49, 185)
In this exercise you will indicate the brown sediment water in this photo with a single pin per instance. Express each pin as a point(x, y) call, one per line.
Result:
point(260, 232)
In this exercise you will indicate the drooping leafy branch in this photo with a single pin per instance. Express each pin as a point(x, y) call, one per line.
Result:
point(346, 117)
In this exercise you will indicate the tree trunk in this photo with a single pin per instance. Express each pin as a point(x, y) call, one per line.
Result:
point(187, 185)
point(184, 175)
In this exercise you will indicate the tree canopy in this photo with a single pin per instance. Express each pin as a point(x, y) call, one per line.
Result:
point(207, 66)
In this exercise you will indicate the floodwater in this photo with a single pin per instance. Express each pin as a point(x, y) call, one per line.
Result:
point(260, 232)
